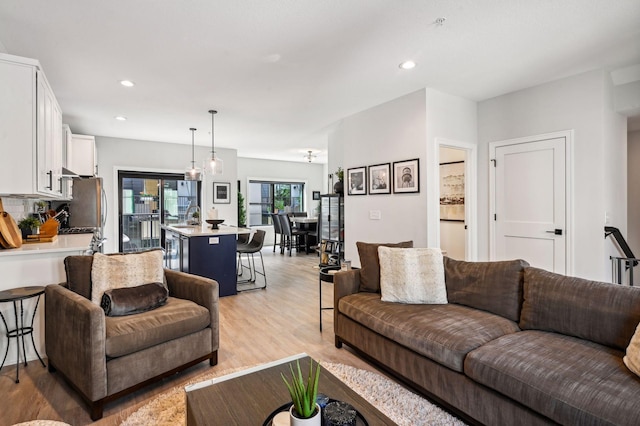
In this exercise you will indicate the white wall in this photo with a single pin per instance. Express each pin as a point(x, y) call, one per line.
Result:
point(454, 119)
point(126, 154)
point(581, 103)
point(312, 174)
point(393, 131)
point(633, 191)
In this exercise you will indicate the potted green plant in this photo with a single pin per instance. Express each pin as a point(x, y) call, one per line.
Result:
point(338, 187)
point(196, 217)
point(29, 226)
point(242, 212)
point(304, 411)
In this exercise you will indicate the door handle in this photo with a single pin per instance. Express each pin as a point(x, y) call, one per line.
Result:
point(555, 231)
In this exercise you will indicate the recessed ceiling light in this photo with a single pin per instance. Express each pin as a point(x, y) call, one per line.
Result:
point(120, 118)
point(407, 65)
point(127, 83)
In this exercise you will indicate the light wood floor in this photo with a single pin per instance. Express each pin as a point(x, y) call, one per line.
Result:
point(255, 327)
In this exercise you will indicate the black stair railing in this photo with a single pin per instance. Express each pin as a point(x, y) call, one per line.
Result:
point(630, 261)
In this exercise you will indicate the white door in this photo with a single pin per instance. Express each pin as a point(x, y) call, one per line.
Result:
point(529, 199)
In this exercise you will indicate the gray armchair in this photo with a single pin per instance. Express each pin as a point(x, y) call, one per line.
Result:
point(104, 358)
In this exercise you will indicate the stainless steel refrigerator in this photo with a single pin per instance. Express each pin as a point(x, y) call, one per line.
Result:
point(88, 207)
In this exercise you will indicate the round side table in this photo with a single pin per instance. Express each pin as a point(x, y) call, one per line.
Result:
point(19, 295)
point(326, 275)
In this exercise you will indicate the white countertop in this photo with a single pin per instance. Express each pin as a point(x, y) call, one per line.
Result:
point(205, 230)
point(69, 242)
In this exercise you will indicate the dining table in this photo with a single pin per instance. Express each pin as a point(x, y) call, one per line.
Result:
point(309, 225)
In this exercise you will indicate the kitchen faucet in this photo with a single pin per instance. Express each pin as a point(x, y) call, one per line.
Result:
point(189, 216)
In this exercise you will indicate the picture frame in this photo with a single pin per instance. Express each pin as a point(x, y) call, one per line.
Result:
point(221, 193)
point(315, 195)
point(357, 181)
point(452, 191)
point(406, 176)
point(380, 179)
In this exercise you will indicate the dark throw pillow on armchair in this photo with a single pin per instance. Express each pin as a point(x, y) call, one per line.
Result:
point(133, 300)
point(370, 264)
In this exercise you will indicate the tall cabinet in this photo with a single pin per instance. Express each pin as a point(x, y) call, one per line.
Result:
point(331, 229)
point(31, 131)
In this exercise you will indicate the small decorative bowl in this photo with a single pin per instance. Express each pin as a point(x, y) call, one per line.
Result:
point(214, 222)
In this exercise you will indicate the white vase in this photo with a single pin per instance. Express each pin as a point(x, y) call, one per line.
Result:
point(316, 420)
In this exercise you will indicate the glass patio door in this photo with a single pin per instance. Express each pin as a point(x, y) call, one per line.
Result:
point(148, 200)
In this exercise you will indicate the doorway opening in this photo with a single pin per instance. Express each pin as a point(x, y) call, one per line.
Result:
point(148, 200)
point(457, 231)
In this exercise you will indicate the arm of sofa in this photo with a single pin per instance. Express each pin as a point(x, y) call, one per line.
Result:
point(75, 340)
point(203, 291)
point(344, 284)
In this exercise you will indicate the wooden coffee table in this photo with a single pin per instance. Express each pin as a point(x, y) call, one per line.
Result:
point(250, 396)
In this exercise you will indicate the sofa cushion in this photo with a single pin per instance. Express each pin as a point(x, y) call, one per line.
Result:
point(491, 286)
point(603, 313)
point(569, 380)
point(133, 300)
point(124, 270)
point(78, 269)
point(443, 333)
point(178, 317)
point(412, 275)
point(370, 264)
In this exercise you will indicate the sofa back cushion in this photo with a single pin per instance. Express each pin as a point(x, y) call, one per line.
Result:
point(600, 312)
point(495, 287)
point(78, 269)
point(370, 264)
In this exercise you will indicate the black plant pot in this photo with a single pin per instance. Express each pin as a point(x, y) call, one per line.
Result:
point(338, 187)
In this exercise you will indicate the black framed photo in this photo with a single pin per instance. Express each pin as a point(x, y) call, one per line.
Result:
point(221, 193)
point(406, 176)
point(316, 195)
point(380, 179)
point(357, 181)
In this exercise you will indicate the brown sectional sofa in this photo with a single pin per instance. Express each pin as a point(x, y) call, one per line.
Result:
point(514, 345)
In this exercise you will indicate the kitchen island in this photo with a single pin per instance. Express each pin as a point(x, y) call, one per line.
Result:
point(200, 250)
point(35, 264)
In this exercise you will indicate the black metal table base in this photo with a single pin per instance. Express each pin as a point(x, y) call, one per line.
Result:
point(20, 331)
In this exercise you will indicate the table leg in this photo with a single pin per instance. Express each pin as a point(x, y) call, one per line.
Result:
point(320, 301)
point(15, 314)
point(6, 351)
point(32, 340)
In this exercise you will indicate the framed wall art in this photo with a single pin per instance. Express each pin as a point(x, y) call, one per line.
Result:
point(380, 179)
point(406, 176)
point(315, 195)
point(221, 193)
point(452, 191)
point(357, 181)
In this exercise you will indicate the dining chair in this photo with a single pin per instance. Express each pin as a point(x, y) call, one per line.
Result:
point(277, 230)
point(290, 234)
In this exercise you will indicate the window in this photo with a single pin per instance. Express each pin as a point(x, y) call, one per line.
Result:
point(270, 197)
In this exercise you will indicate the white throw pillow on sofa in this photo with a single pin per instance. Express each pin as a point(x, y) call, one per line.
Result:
point(412, 275)
point(124, 270)
point(632, 358)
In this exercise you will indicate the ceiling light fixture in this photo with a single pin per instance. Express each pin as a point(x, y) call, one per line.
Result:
point(127, 83)
point(310, 156)
point(192, 172)
point(216, 165)
point(120, 118)
point(407, 65)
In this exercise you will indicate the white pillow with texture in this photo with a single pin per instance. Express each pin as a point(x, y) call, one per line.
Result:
point(632, 358)
point(124, 270)
point(412, 275)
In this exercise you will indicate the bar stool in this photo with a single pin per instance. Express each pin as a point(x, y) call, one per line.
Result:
point(254, 246)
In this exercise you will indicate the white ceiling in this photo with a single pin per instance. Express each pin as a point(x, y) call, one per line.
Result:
point(282, 72)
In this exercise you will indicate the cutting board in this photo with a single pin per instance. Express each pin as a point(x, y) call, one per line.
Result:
point(10, 235)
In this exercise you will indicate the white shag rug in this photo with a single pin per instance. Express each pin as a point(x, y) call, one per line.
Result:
point(396, 402)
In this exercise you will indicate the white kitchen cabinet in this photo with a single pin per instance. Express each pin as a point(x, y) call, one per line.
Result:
point(82, 159)
point(31, 136)
point(67, 183)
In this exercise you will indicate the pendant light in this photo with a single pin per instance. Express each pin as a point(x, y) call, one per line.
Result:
point(192, 172)
point(214, 165)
